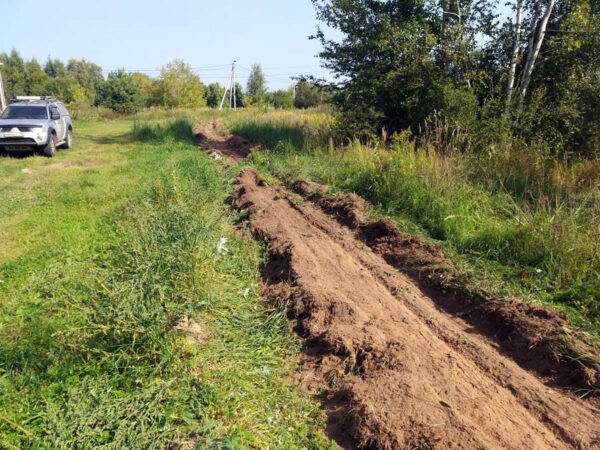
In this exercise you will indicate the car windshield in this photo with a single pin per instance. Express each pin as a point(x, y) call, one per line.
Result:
point(25, 112)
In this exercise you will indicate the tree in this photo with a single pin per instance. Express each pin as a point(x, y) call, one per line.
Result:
point(240, 95)
point(120, 93)
point(539, 29)
point(13, 73)
point(179, 86)
point(256, 87)
point(560, 107)
point(87, 74)
point(280, 99)
point(395, 58)
point(55, 68)
point(37, 81)
point(214, 94)
point(148, 88)
point(515, 54)
point(307, 95)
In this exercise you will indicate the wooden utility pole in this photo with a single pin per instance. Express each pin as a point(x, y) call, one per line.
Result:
point(231, 89)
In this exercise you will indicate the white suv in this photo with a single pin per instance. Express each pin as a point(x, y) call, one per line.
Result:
point(32, 123)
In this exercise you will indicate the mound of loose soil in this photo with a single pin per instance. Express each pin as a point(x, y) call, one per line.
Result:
point(210, 139)
point(395, 369)
point(532, 334)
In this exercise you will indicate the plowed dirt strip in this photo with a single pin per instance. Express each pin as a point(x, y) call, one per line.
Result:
point(211, 139)
point(397, 372)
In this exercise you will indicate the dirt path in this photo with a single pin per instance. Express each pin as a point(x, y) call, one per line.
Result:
point(393, 368)
point(211, 139)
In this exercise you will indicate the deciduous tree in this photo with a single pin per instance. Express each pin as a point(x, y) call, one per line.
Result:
point(179, 86)
point(257, 85)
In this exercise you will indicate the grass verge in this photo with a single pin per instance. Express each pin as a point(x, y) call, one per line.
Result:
point(125, 252)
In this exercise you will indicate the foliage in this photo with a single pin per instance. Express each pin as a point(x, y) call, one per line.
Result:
point(88, 75)
point(120, 93)
point(399, 64)
point(148, 88)
point(257, 85)
point(281, 99)
point(307, 95)
point(80, 81)
point(214, 94)
point(179, 86)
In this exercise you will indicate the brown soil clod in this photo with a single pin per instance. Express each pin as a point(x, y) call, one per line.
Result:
point(398, 363)
point(308, 189)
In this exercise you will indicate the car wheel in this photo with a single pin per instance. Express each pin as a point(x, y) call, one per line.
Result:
point(68, 139)
point(50, 148)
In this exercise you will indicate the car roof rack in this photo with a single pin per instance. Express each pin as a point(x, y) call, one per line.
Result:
point(31, 98)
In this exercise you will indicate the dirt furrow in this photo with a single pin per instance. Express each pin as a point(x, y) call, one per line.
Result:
point(396, 371)
point(212, 139)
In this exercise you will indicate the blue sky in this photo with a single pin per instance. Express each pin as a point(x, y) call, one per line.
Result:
point(143, 36)
point(146, 35)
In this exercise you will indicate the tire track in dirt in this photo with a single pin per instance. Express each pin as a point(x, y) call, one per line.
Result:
point(397, 372)
point(393, 369)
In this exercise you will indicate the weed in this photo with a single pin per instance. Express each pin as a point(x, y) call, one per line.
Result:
point(88, 354)
point(515, 223)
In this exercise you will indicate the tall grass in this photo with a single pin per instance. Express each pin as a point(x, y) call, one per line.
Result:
point(510, 213)
point(285, 129)
point(89, 357)
point(174, 130)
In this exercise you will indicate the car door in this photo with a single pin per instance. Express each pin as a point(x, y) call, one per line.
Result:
point(59, 125)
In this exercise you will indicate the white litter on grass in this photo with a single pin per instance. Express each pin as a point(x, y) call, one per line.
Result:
point(215, 156)
point(245, 293)
point(539, 270)
point(221, 246)
point(27, 170)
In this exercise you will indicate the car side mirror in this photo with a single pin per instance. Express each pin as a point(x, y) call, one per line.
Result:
point(55, 116)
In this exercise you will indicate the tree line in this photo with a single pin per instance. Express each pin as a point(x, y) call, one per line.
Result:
point(81, 82)
point(533, 77)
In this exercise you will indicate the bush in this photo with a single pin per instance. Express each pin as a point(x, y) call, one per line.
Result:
point(120, 93)
point(307, 95)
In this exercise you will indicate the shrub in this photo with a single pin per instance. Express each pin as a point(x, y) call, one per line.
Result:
point(120, 93)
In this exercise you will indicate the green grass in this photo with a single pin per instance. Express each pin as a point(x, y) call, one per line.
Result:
point(538, 241)
point(103, 250)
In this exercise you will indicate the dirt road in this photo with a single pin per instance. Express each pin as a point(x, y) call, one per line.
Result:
point(393, 367)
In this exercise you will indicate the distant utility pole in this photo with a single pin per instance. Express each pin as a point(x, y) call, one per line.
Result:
point(231, 89)
point(2, 98)
point(295, 84)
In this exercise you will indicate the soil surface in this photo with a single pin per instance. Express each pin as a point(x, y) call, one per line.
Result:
point(400, 355)
point(211, 139)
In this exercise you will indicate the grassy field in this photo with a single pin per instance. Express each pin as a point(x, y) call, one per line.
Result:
point(110, 251)
point(107, 253)
point(517, 224)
